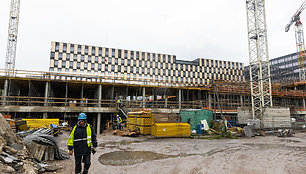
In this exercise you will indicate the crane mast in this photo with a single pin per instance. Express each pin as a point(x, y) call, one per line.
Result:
point(12, 37)
point(299, 38)
point(260, 81)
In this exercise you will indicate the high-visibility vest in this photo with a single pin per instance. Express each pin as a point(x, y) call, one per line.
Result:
point(71, 139)
point(119, 120)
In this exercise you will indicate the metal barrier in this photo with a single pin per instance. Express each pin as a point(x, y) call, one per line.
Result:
point(74, 102)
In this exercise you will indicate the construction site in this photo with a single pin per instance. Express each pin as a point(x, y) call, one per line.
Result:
point(168, 119)
point(52, 95)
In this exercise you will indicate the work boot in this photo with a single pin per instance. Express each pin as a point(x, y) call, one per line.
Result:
point(85, 172)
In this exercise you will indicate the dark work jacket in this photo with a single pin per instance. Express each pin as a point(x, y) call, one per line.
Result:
point(81, 147)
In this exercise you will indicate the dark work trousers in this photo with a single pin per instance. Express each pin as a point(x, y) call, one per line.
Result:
point(78, 166)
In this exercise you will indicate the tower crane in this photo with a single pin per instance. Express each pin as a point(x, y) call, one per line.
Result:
point(260, 80)
point(299, 37)
point(12, 37)
point(11, 44)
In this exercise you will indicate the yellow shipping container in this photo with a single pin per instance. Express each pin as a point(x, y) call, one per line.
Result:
point(37, 123)
point(171, 130)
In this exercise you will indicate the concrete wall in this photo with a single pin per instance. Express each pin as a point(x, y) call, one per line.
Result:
point(277, 117)
point(273, 117)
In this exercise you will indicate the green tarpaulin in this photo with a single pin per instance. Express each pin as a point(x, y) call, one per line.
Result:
point(195, 117)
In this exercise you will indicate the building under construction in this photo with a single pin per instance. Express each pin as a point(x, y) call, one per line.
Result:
point(62, 95)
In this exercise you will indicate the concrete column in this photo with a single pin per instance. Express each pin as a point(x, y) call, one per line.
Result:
point(209, 100)
point(46, 94)
point(143, 97)
point(180, 98)
point(4, 94)
point(45, 114)
point(82, 95)
point(66, 93)
point(99, 95)
point(304, 104)
point(155, 94)
point(29, 93)
point(166, 98)
point(99, 123)
point(99, 105)
point(241, 100)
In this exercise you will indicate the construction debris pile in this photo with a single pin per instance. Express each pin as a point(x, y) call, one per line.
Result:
point(43, 146)
point(21, 156)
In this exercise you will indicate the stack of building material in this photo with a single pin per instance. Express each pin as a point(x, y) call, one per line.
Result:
point(165, 118)
point(171, 130)
point(126, 133)
point(140, 120)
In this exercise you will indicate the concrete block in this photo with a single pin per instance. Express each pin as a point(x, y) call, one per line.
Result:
point(273, 117)
point(244, 114)
point(276, 117)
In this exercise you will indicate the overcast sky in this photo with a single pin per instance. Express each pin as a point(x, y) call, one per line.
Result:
point(214, 29)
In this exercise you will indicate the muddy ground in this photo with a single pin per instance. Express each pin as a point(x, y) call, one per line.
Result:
point(259, 155)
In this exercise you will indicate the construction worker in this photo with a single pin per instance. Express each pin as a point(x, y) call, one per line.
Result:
point(82, 142)
point(119, 103)
point(119, 121)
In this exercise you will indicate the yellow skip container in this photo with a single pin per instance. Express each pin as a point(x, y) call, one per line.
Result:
point(171, 130)
point(37, 123)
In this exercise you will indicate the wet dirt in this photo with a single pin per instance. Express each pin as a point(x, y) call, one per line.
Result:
point(276, 146)
point(264, 155)
point(113, 145)
point(123, 158)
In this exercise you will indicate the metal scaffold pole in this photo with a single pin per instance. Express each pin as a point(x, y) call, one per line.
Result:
point(258, 57)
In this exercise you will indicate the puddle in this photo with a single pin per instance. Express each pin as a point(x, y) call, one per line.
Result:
point(291, 140)
point(123, 158)
point(276, 146)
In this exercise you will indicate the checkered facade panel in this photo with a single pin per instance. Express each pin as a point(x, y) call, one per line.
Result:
point(84, 59)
